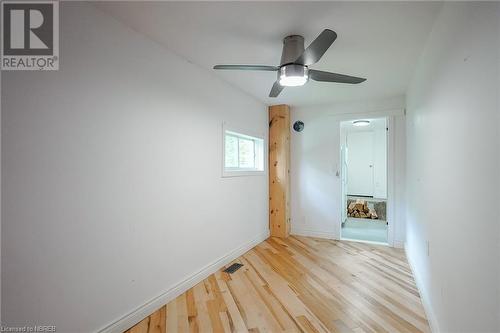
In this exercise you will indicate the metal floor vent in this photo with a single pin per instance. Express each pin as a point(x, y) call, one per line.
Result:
point(233, 268)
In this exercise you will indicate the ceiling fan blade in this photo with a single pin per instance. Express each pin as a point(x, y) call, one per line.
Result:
point(247, 67)
point(276, 89)
point(317, 48)
point(334, 77)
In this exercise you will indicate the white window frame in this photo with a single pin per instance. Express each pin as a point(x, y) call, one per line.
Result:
point(240, 132)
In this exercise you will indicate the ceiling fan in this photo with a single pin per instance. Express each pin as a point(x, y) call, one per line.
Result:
point(295, 61)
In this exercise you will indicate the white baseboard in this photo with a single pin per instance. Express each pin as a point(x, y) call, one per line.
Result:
point(313, 233)
point(429, 313)
point(154, 304)
point(399, 244)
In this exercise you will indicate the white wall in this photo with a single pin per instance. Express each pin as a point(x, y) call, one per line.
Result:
point(380, 163)
point(315, 159)
point(399, 186)
point(1, 214)
point(452, 164)
point(111, 172)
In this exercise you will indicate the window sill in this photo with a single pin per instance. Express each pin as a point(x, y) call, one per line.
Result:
point(229, 174)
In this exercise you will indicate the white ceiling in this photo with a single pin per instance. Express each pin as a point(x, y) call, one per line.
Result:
point(381, 41)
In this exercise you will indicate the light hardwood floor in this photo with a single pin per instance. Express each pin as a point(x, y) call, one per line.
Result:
point(301, 284)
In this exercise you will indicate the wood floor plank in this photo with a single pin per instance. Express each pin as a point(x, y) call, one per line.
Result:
point(301, 284)
point(200, 300)
point(182, 314)
point(234, 314)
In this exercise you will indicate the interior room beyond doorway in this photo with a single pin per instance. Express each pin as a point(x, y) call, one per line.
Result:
point(364, 180)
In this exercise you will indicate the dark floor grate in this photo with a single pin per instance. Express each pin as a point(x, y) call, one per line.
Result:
point(233, 268)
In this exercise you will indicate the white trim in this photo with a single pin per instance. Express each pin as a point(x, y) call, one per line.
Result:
point(429, 313)
point(391, 177)
point(242, 173)
point(152, 305)
point(391, 180)
point(399, 244)
point(313, 233)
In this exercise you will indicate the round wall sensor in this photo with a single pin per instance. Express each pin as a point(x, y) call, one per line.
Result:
point(298, 126)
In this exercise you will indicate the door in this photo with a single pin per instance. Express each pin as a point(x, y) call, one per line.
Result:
point(360, 163)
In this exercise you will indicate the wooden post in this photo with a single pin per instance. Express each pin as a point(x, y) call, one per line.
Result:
point(279, 170)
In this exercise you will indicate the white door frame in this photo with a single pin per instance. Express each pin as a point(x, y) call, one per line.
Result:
point(390, 179)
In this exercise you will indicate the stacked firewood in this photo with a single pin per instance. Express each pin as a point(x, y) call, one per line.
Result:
point(360, 209)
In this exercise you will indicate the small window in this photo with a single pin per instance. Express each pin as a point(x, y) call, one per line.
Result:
point(243, 154)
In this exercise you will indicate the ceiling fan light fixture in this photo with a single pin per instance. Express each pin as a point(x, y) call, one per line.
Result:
point(293, 81)
point(360, 123)
point(293, 75)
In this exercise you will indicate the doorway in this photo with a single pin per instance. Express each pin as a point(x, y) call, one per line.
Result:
point(364, 180)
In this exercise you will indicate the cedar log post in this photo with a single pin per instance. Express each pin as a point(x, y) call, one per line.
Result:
point(279, 170)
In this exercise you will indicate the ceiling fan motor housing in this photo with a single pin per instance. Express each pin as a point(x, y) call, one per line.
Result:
point(293, 47)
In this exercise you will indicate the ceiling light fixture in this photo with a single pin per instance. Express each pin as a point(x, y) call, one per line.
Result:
point(293, 75)
point(361, 122)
